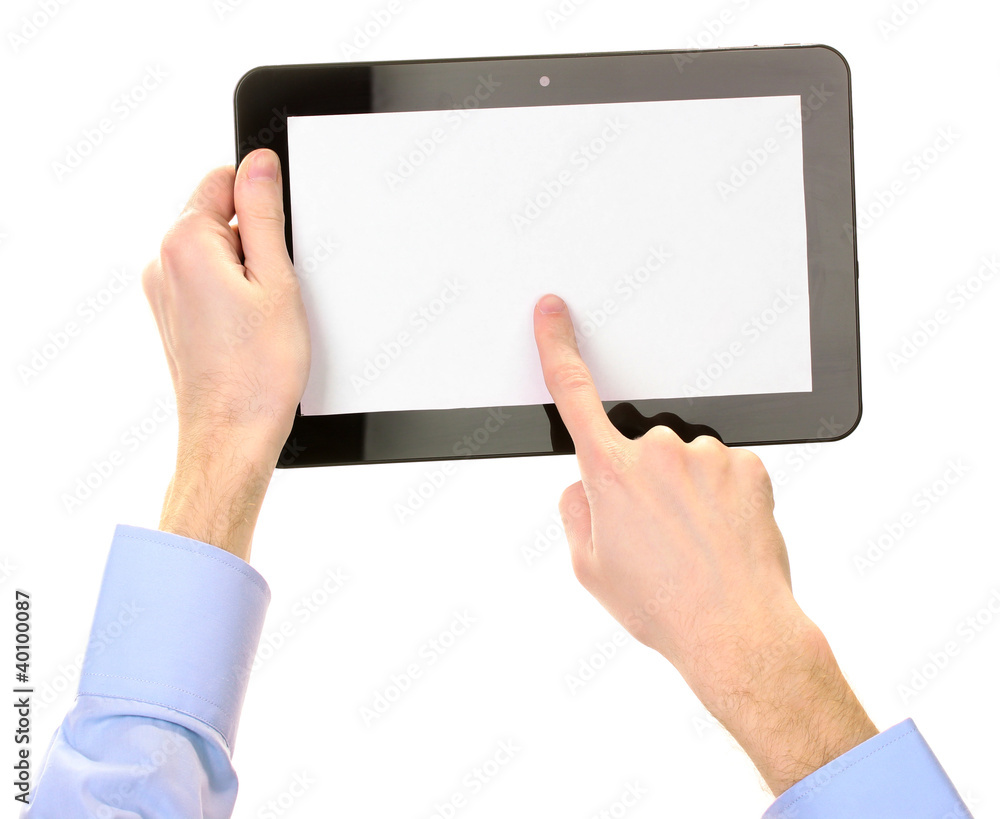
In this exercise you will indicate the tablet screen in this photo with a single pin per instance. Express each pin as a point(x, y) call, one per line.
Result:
point(674, 230)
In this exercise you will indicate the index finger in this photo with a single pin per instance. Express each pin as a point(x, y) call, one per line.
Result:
point(213, 197)
point(196, 234)
point(569, 381)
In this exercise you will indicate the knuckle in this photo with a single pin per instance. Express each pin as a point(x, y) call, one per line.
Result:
point(217, 182)
point(613, 461)
point(620, 457)
point(752, 469)
point(582, 569)
point(712, 454)
point(709, 443)
point(750, 463)
point(220, 178)
point(287, 287)
point(265, 210)
point(666, 445)
point(151, 278)
point(168, 246)
point(176, 241)
point(662, 435)
point(570, 503)
point(266, 216)
point(570, 376)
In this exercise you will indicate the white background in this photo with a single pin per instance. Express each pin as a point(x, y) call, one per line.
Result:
point(504, 679)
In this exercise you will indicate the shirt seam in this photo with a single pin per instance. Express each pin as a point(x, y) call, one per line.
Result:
point(180, 547)
point(218, 728)
point(164, 685)
point(844, 770)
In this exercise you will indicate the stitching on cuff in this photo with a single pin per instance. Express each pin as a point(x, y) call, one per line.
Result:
point(209, 723)
point(257, 581)
point(817, 787)
point(215, 705)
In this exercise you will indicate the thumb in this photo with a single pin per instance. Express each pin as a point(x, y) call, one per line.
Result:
point(260, 216)
point(575, 511)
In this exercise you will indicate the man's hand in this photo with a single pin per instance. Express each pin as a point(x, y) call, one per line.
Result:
point(679, 543)
point(227, 303)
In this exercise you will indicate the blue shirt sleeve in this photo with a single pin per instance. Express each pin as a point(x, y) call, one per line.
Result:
point(894, 775)
point(177, 624)
point(153, 727)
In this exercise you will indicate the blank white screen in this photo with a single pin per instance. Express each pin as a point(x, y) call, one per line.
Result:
point(675, 231)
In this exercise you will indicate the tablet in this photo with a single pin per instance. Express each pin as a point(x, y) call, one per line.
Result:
point(695, 209)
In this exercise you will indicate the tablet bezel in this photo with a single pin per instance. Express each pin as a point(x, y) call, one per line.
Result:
point(266, 96)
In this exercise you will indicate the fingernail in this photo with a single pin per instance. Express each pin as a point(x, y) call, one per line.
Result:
point(264, 165)
point(551, 304)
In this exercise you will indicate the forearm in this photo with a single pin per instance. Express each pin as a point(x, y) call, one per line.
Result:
point(790, 707)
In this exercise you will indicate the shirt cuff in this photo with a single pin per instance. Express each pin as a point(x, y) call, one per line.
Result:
point(177, 624)
point(894, 774)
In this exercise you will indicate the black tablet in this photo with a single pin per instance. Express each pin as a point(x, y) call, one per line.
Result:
point(695, 209)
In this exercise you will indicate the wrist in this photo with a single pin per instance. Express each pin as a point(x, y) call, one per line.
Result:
point(789, 706)
point(219, 485)
point(205, 437)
